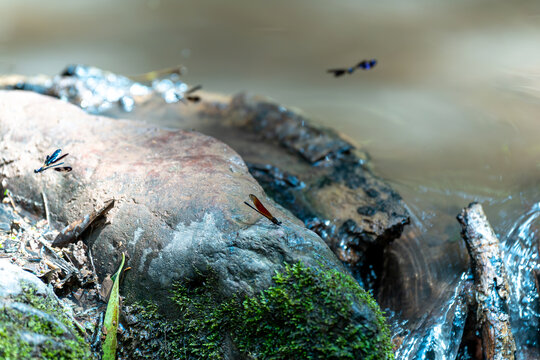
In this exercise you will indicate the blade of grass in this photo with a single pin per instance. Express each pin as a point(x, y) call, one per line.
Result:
point(112, 316)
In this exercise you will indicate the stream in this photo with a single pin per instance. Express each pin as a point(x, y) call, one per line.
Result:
point(436, 333)
point(449, 115)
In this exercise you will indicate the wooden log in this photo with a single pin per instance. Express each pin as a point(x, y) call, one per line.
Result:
point(491, 290)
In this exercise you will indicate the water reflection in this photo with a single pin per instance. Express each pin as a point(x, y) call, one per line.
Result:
point(437, 334)
point(521, 257)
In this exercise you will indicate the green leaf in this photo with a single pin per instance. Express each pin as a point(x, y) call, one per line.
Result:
point(112, 316)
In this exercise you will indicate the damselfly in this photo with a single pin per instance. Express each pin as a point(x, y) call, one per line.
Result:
point(259, 207)
point(365, 65)
point(159, 74)
point(51, 162)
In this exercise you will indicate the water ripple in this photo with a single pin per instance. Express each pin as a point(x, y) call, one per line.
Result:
point(520, 250)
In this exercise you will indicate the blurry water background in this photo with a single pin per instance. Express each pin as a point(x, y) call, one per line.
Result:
point(450, 114)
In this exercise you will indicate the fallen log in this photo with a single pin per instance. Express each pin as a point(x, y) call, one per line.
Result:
point(491, 289)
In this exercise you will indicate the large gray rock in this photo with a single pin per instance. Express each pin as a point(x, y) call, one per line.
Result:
point(179, 209)
point(178, 213)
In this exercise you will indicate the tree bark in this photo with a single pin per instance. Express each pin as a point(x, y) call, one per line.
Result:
point(491, 290)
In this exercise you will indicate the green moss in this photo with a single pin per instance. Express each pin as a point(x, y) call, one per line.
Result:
point(52, 331)
point(306, 314)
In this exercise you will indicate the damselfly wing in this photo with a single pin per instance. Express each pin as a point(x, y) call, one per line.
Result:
point(366, 65)
point(259, 207)
point(193, 89)
point(55, 157)
point(193, 98)
point(63, 169)
point(159, 74)
point(337, 72)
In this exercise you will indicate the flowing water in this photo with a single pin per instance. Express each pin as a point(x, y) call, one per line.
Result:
point(450, 115)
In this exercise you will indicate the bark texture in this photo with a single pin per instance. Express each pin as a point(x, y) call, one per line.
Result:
point(491, 290)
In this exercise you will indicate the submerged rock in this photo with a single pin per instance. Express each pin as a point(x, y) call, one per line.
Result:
point(33, 324)
point(178, 214)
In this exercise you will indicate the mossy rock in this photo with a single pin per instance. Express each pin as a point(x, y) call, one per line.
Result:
point(308, 313)
point(33, 324)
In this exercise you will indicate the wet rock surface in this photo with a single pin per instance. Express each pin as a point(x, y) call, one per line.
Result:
point(98, 91)
point(321, 178)
point(313, 172)
point(32, 321)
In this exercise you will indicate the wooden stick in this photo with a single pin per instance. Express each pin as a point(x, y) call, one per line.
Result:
point(8, 193)
point(491, 290)
point(46, 206)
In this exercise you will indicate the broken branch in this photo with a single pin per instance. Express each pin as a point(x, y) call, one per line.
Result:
point(491, 289)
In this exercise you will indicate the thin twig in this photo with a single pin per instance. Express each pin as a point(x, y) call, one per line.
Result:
point(8, 193)
point(91, 260)
point(46, 204)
